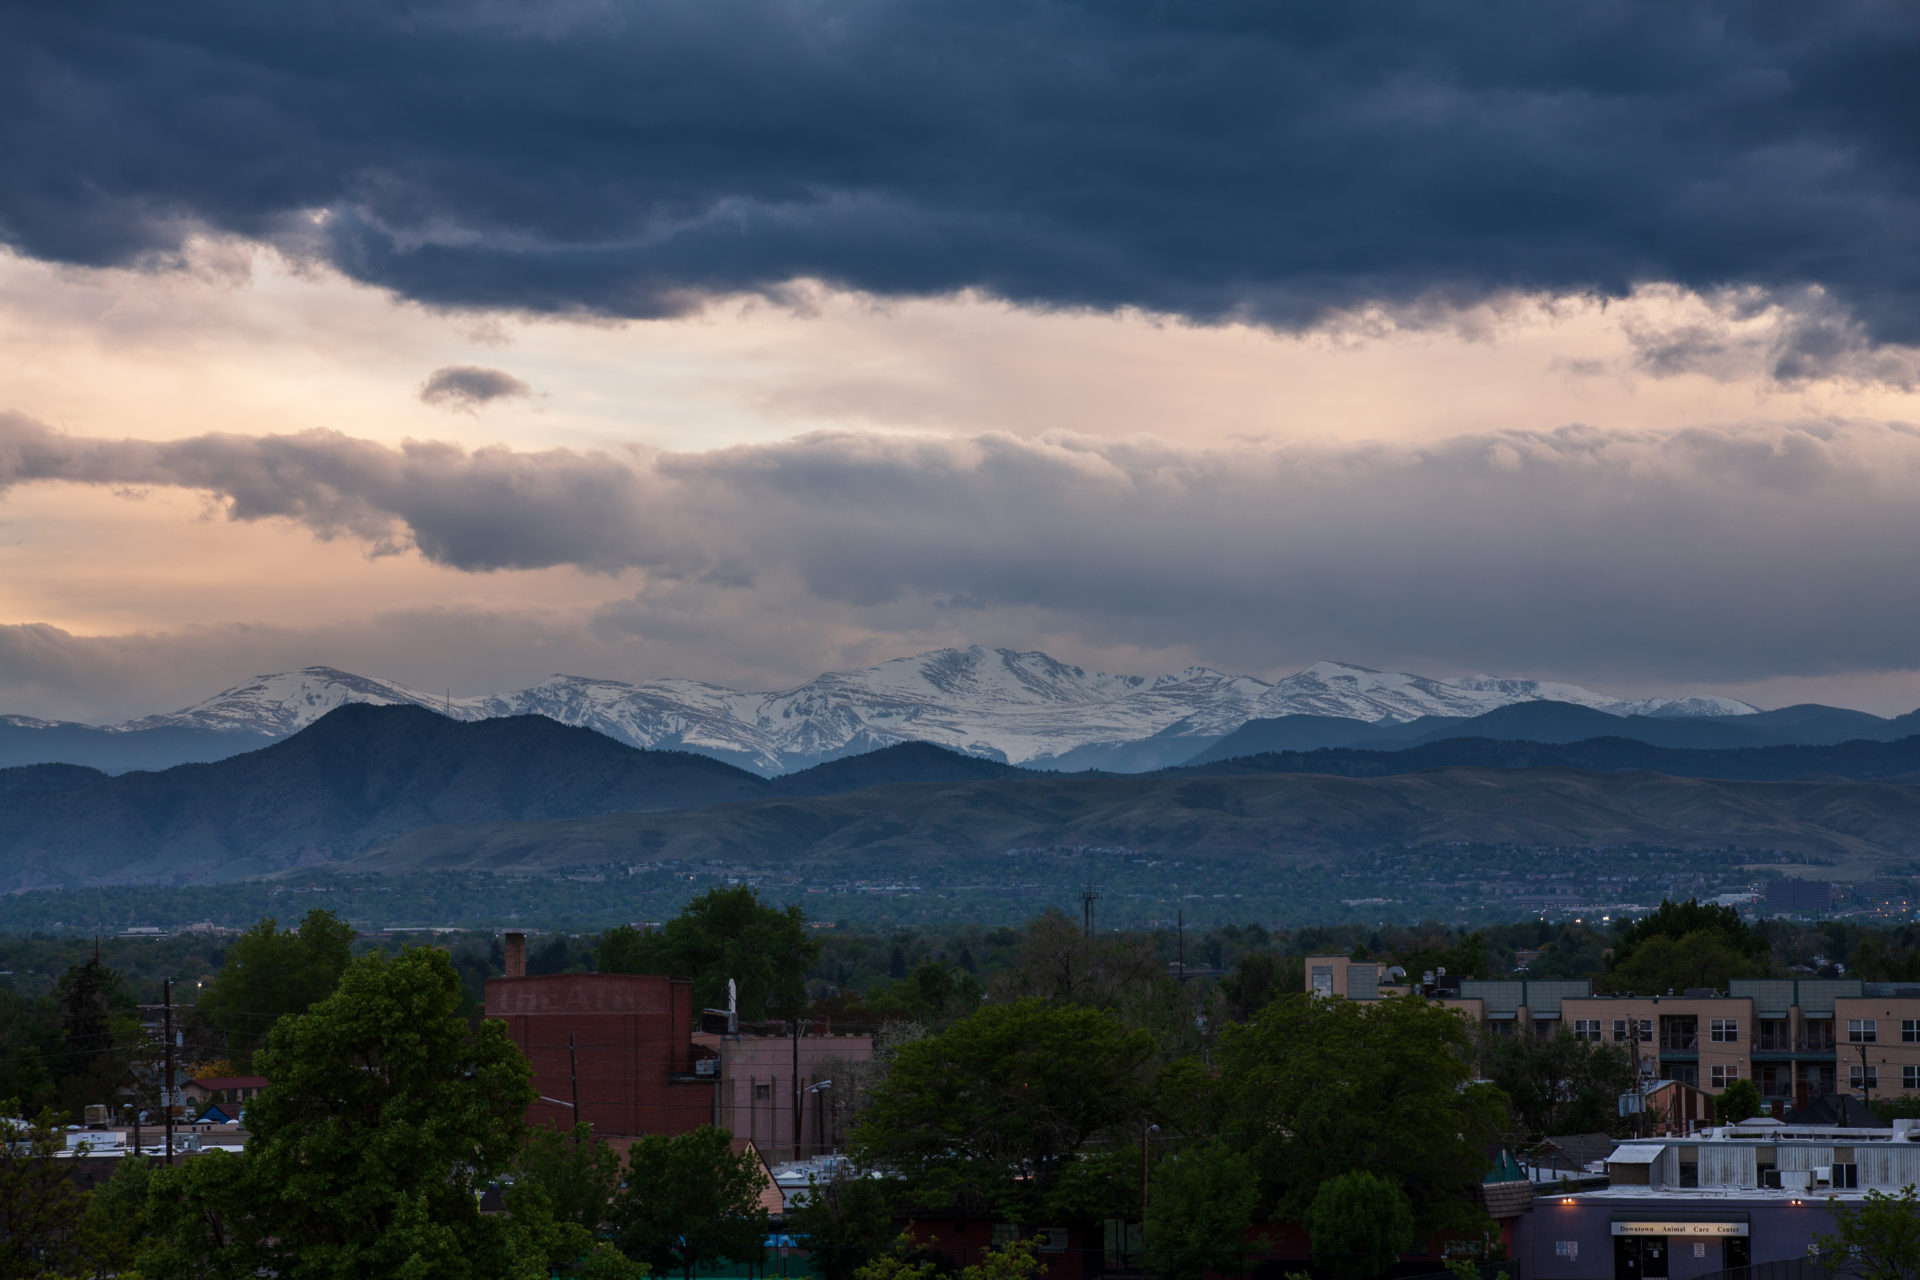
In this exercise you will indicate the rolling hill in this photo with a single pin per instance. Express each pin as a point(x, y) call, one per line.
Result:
point(1859, 760)
point(355, 778)
point(1271, 817)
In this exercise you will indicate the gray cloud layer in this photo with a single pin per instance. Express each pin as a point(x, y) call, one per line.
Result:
point(1211, 159)
point(1715, 554)
point(467, 387)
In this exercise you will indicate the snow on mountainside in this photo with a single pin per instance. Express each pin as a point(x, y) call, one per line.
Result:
point(1527, 690)
point(994, 702)
point(286, 702)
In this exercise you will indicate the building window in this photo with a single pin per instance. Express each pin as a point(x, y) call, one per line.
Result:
point(1620, 1033)
point(1862, 1030)
point(762, 1092)
point(1863, 1077)
point(1587, 1029)
point(1910, 1078)
point(1725, 1030)
point(1323, 980)
point(1500, 1026)
point(1689, 1166)
point(1910, 1030)
point(1646, 1031)
point(1724, 1076)
point(1846, 1175)
point(1680, 1033)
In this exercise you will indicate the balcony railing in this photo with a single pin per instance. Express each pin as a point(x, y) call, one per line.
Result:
point(1679, 1042)
point(1814, 1044)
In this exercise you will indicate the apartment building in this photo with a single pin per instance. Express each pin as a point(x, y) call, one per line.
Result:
point(1796, 1038)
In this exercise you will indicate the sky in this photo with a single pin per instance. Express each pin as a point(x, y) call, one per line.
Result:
point(465, 343)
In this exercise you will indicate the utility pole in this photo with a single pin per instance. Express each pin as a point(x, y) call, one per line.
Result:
point(166, 1082)
point(796, 1087)
point(573, 1070)
point(1087, 899)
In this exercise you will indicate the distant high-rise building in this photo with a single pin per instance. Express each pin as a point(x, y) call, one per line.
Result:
point(1799, 897)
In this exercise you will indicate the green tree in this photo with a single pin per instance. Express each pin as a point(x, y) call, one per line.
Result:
point(270, 973)
point(691, 1199)
point(1257, 979)
point(722, 934)
point(1661, 963)
point(1739, 1101)
point(846, 1222)
point(1015, 1260)
point(1360, 1224)
point(1879, 1238)
point(576, 1172)
point(1200, 1209)
point(116, 1228)
point(27, 1040)
point(1557, 1084)
point(40, 1211)
point(932, 991)
point(1312, 1089)
point(1685, 944)
point(385, 1118)
point(97, 1033)
point(992, 1112)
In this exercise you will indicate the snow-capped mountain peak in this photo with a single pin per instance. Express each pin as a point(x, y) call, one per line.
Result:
point(1528, 690)
point(1012, 704)
point(286, 702)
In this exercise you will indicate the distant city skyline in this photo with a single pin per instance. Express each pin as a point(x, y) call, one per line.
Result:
point(1575, 345)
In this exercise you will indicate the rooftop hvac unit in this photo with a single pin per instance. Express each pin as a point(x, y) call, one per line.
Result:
point(706, 1067)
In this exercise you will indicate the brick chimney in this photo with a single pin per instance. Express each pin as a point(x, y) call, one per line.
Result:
point(516, 955)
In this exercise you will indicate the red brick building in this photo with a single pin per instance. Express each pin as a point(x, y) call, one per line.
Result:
point(632, 1053)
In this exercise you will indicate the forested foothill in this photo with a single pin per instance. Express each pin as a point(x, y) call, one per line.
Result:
point(1027, 1075)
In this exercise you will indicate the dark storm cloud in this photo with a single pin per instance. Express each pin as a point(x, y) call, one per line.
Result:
point(1723, 553)
point(1213, 159)
point(467, 387)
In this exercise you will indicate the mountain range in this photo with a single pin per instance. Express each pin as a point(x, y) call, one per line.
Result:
point(1015, 707)
point(404, 788)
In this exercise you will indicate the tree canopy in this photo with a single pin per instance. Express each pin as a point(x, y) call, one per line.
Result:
point(1660, 963)
point(846, 1222)
point(1685, 944)
point(1360, 1224)
point(992, 1112)
point(691, 1199)
point(270, 973)
point(1312, 1089)
point(722, 934)
point(1879, 1238)
point(1200, 1208)
point(1557, 1084)
point(385, 1118)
